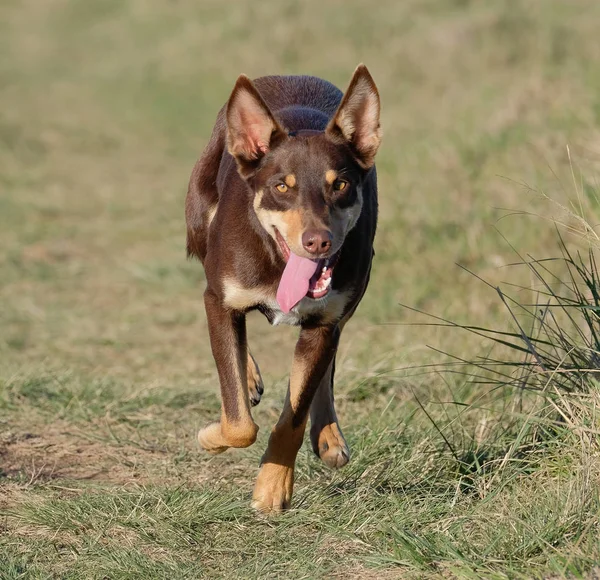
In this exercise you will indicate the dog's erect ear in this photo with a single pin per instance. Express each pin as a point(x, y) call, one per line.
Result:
point(251, 127)
point(357, 117)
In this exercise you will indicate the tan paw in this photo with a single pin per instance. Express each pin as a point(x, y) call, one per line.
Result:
point(329, 444)
point(273, 489)
point(211, 439)
point(255, 382)
point(217, 438)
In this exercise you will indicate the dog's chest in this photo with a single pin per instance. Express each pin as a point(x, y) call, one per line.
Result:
point(326, 310)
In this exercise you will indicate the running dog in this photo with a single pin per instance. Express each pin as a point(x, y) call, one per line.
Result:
point(281, 211)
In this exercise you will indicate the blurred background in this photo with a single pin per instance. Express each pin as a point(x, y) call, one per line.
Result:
point(107, 104)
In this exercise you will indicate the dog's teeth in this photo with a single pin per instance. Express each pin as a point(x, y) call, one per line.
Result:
point(323, 285)
point(324, 269)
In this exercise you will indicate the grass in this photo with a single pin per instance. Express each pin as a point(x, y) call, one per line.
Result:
point(105, 369)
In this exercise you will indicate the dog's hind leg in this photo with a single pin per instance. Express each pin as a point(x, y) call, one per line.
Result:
point(255, 382)
point(326, 437)
point(227, 329)
point(325, 434)
point(313, 356)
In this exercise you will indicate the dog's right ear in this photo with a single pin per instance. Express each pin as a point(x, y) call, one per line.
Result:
point(251, 128)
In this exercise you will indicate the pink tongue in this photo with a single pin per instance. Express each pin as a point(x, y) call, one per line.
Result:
point(294, 281)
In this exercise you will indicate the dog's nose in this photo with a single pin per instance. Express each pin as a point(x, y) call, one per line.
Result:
point(317, 241)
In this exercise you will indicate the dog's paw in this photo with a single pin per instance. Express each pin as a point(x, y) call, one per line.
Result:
point(217, 437)
point(329, 444)
point(211, 439)
point(273, 489)
point(255, 382)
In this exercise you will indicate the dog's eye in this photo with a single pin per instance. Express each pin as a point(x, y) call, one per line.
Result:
point(340, 185)
point(281, 187)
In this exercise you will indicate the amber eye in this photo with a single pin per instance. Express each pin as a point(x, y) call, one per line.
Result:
point(340, 185)
point(281, 187)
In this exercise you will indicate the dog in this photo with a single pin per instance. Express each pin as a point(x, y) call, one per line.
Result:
point(282, 210)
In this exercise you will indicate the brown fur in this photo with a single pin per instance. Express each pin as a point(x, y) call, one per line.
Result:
point(268, 174)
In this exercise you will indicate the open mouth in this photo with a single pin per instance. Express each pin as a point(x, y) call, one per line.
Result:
point(319, 284)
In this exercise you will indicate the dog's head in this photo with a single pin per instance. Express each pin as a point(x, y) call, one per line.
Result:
point(308, 185)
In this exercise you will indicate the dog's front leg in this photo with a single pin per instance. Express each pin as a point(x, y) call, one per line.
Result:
point(227, 329)
point(314, 352)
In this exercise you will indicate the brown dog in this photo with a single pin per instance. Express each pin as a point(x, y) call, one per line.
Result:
point(281, 210)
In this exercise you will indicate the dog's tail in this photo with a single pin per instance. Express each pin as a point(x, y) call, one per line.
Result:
point(203, 196)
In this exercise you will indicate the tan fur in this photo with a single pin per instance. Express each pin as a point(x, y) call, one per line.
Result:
point(332, 446)
point(290, 180)
point(218, 437)
point(239, 434)
point(240, 298)
point(290, 225)
point(275, 482)
point(330, 176)
point(211, 439)
point(273, 488)
point(294, 227)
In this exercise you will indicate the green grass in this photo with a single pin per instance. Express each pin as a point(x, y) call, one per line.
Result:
point(105, 368)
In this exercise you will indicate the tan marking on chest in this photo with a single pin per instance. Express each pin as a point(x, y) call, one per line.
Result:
point(238, 297)
point(330, 309)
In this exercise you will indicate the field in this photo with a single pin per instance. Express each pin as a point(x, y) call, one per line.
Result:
point(491, 121)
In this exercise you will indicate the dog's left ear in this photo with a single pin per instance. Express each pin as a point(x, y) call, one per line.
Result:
point(357, 117)
point(251, 128)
